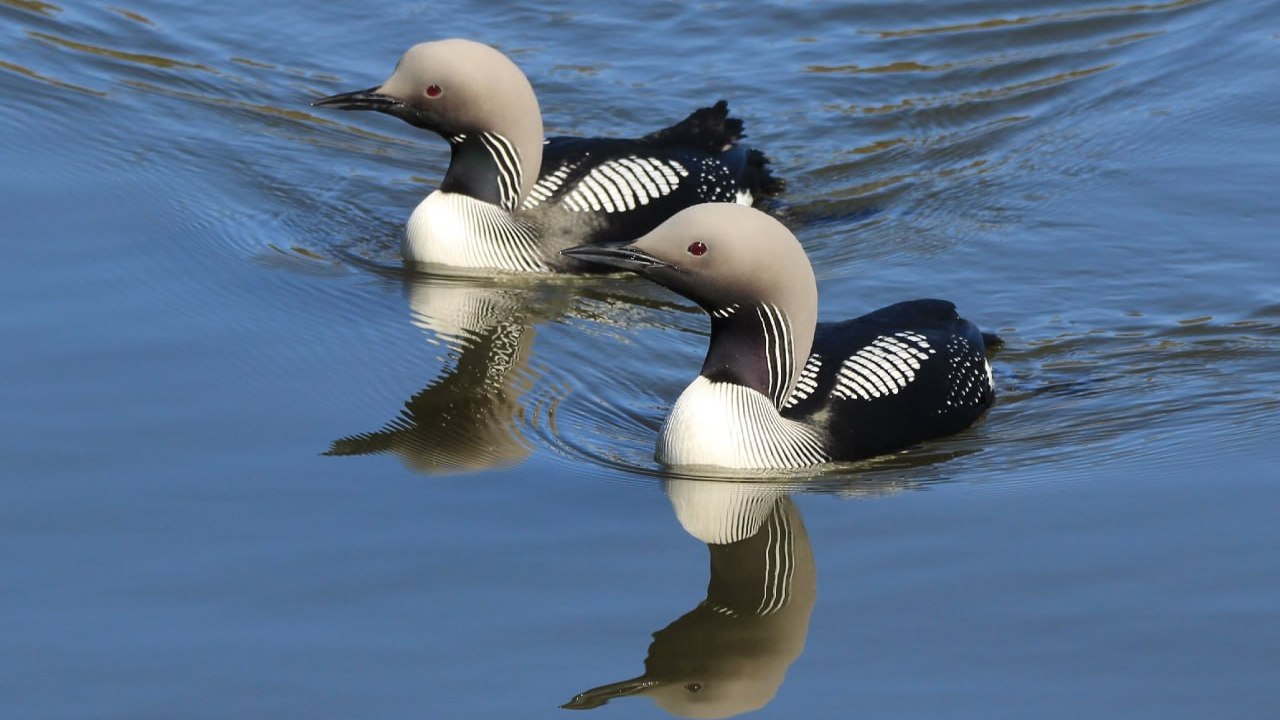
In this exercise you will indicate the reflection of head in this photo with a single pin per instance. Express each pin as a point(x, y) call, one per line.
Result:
point(730, 654)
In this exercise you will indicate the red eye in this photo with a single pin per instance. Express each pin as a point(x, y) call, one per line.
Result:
point(434, 91)
point(697, 248)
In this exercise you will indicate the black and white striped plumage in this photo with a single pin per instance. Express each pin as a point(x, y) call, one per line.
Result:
point(889, 379)
point(893, 377)
point(511, 200)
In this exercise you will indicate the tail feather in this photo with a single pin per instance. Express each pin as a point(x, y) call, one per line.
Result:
point(758, 179)
point(710, 129)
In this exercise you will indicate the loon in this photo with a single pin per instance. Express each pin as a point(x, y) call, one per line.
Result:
point(779, 391)
point(511, 200)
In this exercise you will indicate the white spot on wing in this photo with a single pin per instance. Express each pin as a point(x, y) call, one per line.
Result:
point(969, 379)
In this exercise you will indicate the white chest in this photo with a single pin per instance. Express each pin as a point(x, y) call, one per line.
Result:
point(729, 425)
point(460, 231)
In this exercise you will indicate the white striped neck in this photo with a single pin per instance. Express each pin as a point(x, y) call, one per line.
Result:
point(757, 346)
point(486, 166)
point(729, 416)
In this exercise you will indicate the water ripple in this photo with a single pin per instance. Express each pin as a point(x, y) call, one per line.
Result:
point(33, 6)
point(121, 55)
point(916, 146)
point(55, 82)
point(1044, 18)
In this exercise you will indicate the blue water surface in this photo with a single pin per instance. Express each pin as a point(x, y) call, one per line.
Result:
point(252, 470)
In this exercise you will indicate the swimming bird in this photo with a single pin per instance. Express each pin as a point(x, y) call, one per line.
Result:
point(511, 200)
point(777, 390)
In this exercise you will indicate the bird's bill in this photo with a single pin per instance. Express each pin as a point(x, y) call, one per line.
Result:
point(626, 257)
point(369, 99)
point(595, 697)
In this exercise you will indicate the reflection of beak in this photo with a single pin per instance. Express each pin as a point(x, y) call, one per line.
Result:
point(369, 99)
point(627, 257)
point(595, 697)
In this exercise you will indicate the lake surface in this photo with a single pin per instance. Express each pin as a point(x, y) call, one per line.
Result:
point(251, 470)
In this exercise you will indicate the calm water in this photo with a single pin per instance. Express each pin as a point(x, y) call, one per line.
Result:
point(250, 472)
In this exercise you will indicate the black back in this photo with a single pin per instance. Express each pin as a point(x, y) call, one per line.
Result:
point(865, 409)
point(706, 145)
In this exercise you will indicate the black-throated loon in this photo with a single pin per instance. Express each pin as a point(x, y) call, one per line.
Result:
point(777, 390)
point(512, 201)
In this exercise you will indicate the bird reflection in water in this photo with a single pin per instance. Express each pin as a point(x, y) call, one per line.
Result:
point(468, 417)
point(730, 654)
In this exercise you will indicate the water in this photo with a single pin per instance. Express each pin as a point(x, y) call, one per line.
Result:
point(228, 490)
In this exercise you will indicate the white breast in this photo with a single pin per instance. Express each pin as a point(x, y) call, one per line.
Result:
point(730, 425)
point(460, 231)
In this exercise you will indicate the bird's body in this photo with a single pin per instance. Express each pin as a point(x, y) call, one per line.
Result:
point(893, 377)
point(779, 391)
point(510, 200)
point(918, 354)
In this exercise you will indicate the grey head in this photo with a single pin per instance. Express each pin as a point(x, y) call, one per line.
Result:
point(459, 87)
point(727, 258)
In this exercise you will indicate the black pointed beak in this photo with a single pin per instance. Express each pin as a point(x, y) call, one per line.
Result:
point(369, 99)
point(626, 257)
point(595, 697)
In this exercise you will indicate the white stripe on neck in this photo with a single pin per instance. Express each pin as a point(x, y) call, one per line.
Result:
point(507, 161)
